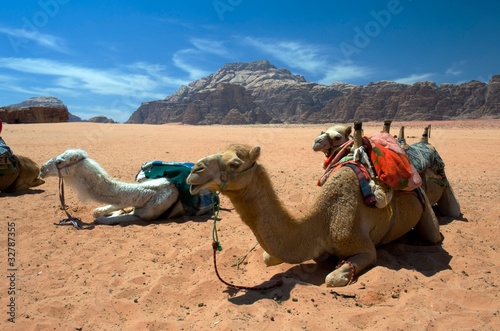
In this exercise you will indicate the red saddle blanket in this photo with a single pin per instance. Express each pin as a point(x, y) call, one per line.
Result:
point(392, 164)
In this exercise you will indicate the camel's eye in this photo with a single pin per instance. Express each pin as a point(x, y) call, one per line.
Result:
point(234, 165)
point(337, 138)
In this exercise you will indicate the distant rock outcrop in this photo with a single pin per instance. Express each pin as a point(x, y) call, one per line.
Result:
point(100, 119)
point(258, 92)
point(35, 110)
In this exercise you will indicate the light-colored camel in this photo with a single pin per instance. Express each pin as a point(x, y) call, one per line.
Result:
point(330, 140)
point(339, 223)
point(434, 181)
point(25, 176)
point(149, 199)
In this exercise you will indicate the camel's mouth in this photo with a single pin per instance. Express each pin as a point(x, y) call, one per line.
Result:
point(195, 187)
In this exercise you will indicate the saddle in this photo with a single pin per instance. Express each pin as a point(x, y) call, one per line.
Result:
point(380, 165)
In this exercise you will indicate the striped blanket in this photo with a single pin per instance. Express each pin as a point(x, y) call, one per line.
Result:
point(423, 155)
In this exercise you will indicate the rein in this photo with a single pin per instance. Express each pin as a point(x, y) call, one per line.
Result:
point(215, 239)
point(75, 221)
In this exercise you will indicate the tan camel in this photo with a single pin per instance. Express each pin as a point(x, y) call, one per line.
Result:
point(24, 176)
point(434, 180)
point(339, 223)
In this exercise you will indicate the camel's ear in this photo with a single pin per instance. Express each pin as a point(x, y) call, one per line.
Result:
point(348, 131)
point(254, 153)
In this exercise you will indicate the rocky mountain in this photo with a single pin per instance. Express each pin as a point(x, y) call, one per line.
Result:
point(35, 110)
point(100, 119)
point(258, 92)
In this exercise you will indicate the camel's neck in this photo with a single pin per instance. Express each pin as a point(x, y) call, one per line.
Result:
point(277, 231)
point(93, 183)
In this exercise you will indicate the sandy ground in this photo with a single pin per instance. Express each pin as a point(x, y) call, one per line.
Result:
point(161, 276)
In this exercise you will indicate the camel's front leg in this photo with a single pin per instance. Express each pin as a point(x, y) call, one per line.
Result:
point(105, 210)
point(270, 260)
point(347, 270)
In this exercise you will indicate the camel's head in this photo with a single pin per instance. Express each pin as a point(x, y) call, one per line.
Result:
point(332, 139)
point(62, 163)
point(231, 169)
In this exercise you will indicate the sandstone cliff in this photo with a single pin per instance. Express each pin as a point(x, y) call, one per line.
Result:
point(35, 110)
point(258, 92)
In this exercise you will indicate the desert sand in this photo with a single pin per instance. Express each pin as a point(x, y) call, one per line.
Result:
point(160, 276)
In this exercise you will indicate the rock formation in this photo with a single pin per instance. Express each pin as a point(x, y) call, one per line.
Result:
point(258, 92)
point(35, 110)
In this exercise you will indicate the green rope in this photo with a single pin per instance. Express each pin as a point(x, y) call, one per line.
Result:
point(215, 211)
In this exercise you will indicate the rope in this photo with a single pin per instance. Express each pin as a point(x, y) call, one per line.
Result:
point(217, 247)
point(75, 221)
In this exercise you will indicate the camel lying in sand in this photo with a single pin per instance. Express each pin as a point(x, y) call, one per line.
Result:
point(149, 199)
point(435, 185)
point(339, 223)
point(23, 175)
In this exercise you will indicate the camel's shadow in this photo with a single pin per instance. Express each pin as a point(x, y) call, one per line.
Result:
point(406, 253)
point(25, 192)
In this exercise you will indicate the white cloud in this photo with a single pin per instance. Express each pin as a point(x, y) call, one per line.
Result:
point(141, 79)
point(414, 78)
point(454, 69)
point(294, 54)
point(18, 37)
point(344, 73)
point(309, 58)
point(180, 59)
point(210, 46)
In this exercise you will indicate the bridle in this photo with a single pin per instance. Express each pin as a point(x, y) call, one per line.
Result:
point(225, 177)
point(75, 221)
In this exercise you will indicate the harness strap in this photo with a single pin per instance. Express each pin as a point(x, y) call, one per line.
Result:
point(75, 221)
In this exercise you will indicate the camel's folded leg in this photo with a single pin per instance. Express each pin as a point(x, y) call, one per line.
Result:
point(427, 227)
point(105, 210)
point(354, 264)
point(120, 219)
point(448, 204)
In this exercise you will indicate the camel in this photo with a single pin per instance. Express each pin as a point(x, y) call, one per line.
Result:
point(149, 199)
point(23, 172)
point(438, 189)
point(434, 180)
point(332, 139)
point(339, 223)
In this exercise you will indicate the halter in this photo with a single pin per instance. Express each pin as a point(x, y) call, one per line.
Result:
point(226, 176)
point(75, 221)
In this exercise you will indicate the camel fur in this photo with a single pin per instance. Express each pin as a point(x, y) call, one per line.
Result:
point(149, 199)
point(339, 223)
point(23, 178)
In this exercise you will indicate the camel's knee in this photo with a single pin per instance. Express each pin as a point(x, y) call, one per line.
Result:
point(350, 268)
point(270, 260)
point(104, 210)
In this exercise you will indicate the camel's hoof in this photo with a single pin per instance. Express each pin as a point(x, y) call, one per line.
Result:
point(338, 278)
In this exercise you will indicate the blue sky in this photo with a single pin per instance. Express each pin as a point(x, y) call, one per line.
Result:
point(106, 57)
